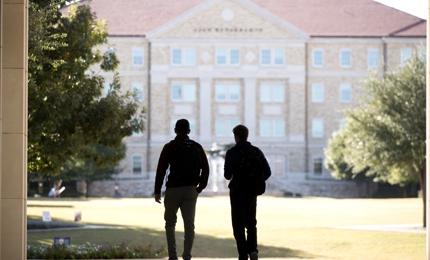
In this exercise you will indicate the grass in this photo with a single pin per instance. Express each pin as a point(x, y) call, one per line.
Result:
point(288, 227)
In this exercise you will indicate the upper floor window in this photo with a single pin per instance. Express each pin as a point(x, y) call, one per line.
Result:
point(317, 166)
point(372, 58)
point(137, 164)
point(183, 56)
point(317, 58)
point(345, 58)
point(227, 92)
point(137, 58)
point(317, 93)
point(274, 56)
point(224, 126)
point(137, 88)
point(272, 127)
point(227, 56)
point(317, 128)
point(183, 92)
point(405, 55)
point(345, 93)
point(272, 92)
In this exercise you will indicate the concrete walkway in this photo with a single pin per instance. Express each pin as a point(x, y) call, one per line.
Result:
point(404, 228)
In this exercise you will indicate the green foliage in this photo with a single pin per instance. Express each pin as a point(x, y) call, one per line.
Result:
point(90, 251)
point(385, 136)
point(71, 126)
point(335, 160)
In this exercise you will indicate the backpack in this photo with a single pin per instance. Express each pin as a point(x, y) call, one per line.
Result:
point(251, 167)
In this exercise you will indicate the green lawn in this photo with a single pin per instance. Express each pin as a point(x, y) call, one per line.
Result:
point(288, 227)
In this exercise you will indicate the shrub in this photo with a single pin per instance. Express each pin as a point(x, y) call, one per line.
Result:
point(92, 251)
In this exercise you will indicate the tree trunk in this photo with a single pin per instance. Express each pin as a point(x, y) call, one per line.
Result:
point(423, 193)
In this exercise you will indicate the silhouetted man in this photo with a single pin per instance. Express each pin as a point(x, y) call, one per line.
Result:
point(248, 169)
point(188, 176)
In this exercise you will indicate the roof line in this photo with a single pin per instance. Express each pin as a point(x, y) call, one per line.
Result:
point(407, 27)
point(344, 36)
point(364, 36)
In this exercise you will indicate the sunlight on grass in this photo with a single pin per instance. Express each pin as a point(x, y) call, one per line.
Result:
point(305, 227)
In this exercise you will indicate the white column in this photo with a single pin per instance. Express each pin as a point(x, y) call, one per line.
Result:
point(250, 109)
point(205, 110)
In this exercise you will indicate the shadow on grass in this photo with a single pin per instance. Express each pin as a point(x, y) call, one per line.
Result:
point(204, 245)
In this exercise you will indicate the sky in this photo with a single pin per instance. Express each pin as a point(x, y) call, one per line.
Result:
point(418, 8)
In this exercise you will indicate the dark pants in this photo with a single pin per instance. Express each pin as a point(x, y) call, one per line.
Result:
point(243, 216)
point(183, 198)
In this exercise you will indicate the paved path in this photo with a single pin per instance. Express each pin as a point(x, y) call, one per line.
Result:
point(404, 228)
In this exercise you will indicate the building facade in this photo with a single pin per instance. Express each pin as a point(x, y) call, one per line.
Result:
point(288, 70)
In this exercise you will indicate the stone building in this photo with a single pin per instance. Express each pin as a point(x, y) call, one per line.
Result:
point(288, 69)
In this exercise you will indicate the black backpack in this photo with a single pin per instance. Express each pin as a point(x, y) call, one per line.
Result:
point(250, 166)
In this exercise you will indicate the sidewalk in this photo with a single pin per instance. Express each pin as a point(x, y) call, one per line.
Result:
point(404, 228)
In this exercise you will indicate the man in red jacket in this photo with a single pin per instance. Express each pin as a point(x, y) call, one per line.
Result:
point(188, 176)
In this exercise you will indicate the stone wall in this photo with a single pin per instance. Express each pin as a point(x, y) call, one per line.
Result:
point(325, 188)
point(126, 188)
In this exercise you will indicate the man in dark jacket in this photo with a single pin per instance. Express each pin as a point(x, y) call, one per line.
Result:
point(188, 176)
point(248, 169)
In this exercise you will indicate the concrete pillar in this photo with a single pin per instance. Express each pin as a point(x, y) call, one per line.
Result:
point(1, 118)
point(13, 172)
point(428, 141)
point(205, 110)
point(250, 106)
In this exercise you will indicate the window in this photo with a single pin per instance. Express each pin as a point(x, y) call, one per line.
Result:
point(318, 166)
point(345, 58)
point(372, 58)
point(176, 56)
point(137, 58)
point(183, 56)
point(227, 56)
point(317, 93)
point(227, 92)
point(275, 56)
point(183, 92)
point(272, 92)
point(224, 126)
point(265, 57)
point(345, 92)
point(137, 88)
point(137, 164)
point(317, 128)
point(317, 58)
point(405, 55)
point(278, 58)
point(272, 127)
point(234, 56)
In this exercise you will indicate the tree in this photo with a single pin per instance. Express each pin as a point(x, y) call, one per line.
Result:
point(71, 125)
point(385, 136)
